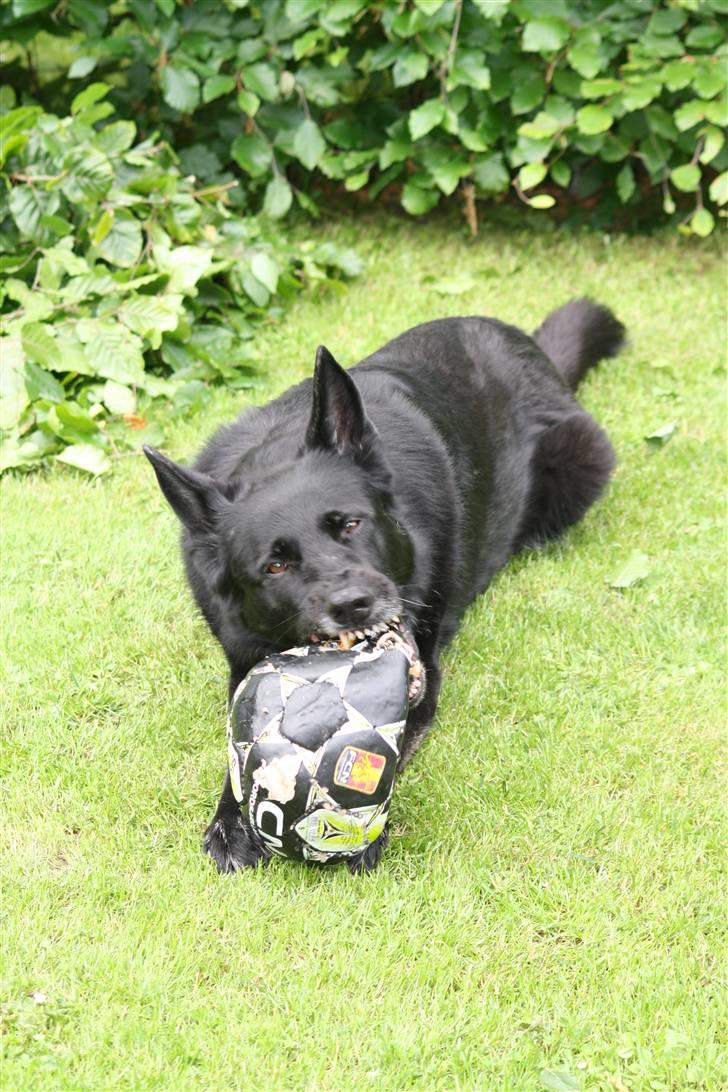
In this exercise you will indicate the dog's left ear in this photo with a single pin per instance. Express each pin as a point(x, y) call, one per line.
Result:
point(338, 421)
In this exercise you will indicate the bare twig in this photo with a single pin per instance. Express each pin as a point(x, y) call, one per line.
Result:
point(471, 214)
point(447, 64)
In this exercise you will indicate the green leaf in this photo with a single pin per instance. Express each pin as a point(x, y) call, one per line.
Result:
point(545, 34)
point(542, 201)
point(185, 266)
point(180, 88)
point(469, 69)
point(425, 118)
point(532, 174)
point(410, 66)
point(23, 8)
point(278, 198)
point(89, 96)
point(704, 37)
point(689, 114)
point(14, 129)
point(625, 183)
point(702, 223)
point(40, 346)
point(561, 173)
point(717, 111)
point(103, 227)
point(666, 22)
point(41, 384)
point(593, 119)
point(635, 569)
point(528, 94)
point(258, 293)
point(117, 398)
point(586, 59)
point(660, 436)
point(29, 208)
point(266, 270)
point(418, 200)
point(81, 67)
point(88, 457)
point(542, 126)
point(598, 89)
point(343, 258)
point(253, 153)
point(558, 1080)
point(308, 144)
point(709, 80)
point(89, 174)
point(261, 80)
point(122, 245)
point(248, 102)
point(357, 180)
point(115, 352)
point(678, 74)
point(714, 141)
point(71, 421)
point(719, 189)
point(686, 178)
point(13, 390)
point(490, 174)
point(150, 316)
point(216, 86)
point(115, 138)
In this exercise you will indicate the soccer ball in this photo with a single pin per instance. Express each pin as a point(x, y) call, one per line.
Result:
point(314, 737)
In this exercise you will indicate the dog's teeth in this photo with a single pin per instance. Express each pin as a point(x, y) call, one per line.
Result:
point(360, 634)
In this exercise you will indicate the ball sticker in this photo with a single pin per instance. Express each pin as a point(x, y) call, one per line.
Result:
point(358, 769)
point(342, 832)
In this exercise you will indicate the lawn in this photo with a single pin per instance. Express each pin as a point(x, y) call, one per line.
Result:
point(550, 912)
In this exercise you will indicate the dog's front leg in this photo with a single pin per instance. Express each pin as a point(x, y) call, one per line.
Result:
point(421, 717)
point(228, 839)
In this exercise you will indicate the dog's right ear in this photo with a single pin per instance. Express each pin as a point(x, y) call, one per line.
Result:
point(193, 496)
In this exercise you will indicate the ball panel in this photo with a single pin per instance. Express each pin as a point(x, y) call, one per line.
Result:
point(313, 713)
point(377, 688)
point(257, 701)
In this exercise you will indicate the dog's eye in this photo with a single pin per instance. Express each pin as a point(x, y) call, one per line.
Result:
point(351, 525)
point(275, 567)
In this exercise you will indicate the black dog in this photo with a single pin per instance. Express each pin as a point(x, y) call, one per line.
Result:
point(400, 487)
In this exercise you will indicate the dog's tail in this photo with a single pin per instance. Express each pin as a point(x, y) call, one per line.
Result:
point(578, 335)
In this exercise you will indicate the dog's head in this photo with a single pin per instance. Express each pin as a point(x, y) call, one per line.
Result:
point(304, 540)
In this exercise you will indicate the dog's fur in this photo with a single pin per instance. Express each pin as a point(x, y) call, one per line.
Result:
point(401, 486)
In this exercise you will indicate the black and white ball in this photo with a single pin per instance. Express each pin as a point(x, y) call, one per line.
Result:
point(314, 737)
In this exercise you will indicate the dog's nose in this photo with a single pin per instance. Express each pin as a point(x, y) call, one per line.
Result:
point(350, 606)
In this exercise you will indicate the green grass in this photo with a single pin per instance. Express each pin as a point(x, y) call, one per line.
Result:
point(553, 895)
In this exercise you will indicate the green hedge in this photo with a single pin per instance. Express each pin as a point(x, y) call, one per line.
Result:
point(613, 105)
point(147, 148)
point(124, 282)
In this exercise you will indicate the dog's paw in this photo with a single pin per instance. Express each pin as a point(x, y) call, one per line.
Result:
point(231, 845)
point(368, 859)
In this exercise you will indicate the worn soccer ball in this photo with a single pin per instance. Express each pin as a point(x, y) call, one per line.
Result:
point(314, 737)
